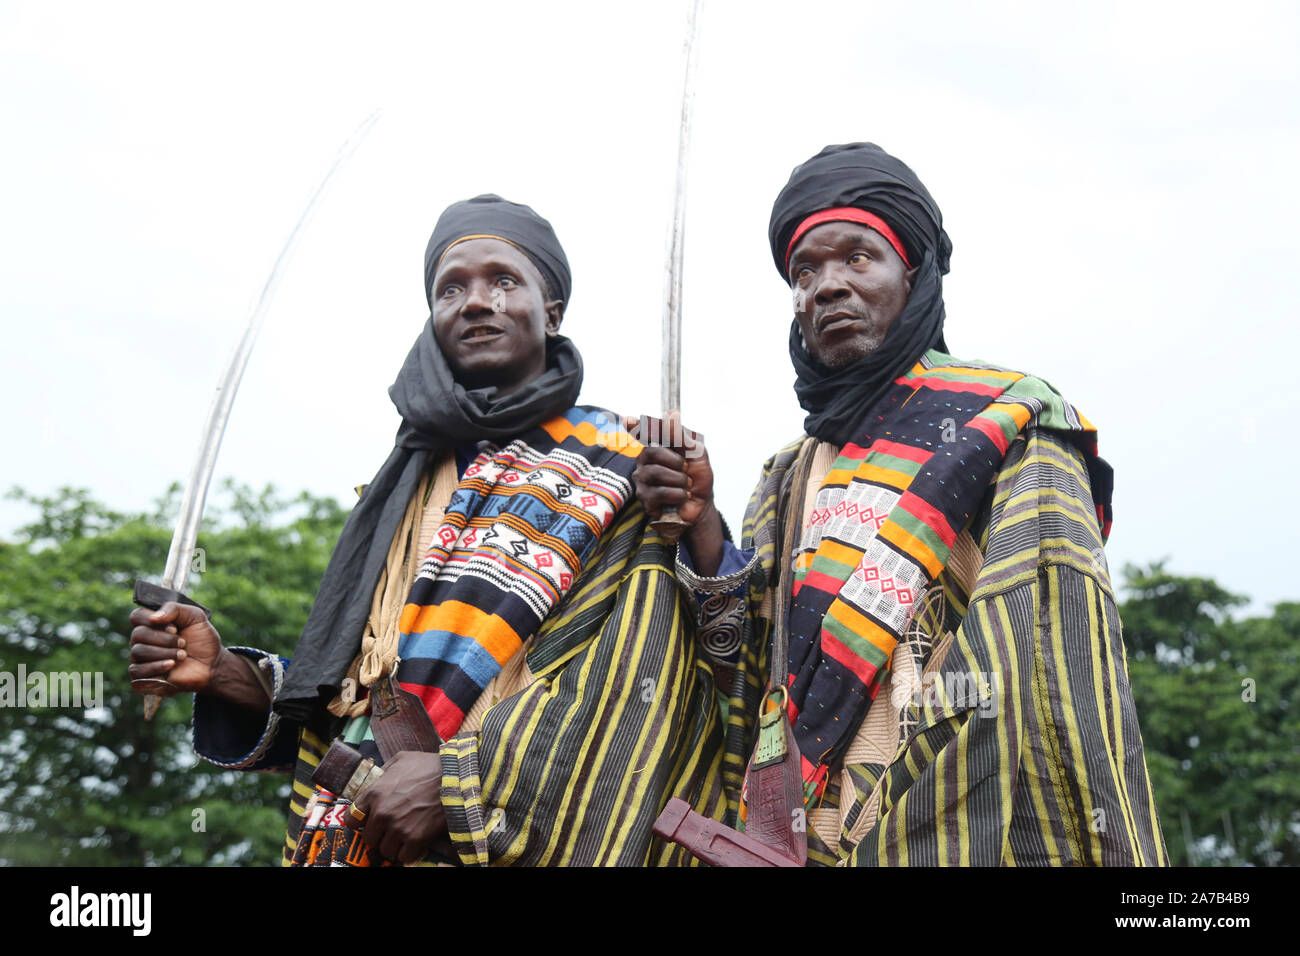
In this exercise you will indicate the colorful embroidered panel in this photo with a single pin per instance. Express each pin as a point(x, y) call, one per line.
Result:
point(883, 525)
point(517, 531)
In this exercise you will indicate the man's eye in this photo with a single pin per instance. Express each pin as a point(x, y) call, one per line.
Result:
point(506, 282)
point(858, 258)
point(803, 272)
point(449, 290)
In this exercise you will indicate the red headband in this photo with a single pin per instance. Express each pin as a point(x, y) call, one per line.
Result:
point(846, 214)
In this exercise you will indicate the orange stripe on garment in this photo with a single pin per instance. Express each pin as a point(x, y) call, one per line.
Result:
point(912, 546)
point(549, 541)
point(830, 548)
point(898, 480)
point(863, 626)
point(587, 433)
point(863, 669)
point(1019, 413)
point(838, 477)
point(489, 631)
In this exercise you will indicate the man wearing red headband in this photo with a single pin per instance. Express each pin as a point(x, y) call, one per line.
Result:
point(920, 610)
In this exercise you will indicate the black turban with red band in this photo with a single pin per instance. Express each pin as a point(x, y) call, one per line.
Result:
point(863, 176)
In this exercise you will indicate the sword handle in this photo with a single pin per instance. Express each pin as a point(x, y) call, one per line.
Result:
point(670, 433)
point(154, 596)
point(669, 526)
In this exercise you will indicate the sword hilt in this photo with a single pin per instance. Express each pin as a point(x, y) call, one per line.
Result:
point(669, 525)
point(668, 432)
point(154, 596)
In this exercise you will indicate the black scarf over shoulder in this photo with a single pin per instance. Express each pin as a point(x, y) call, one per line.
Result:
point(864, 176)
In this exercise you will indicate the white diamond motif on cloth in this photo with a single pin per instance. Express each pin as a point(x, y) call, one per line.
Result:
point(885, 585)
point(860, 515)
point(852, 515)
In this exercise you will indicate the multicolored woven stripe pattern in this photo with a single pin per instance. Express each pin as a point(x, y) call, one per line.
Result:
point(883, 526)
point(517, 532)
point(1025, 775)
point(574, 769)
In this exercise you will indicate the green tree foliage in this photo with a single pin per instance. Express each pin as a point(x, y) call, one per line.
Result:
point(1215, 698)
point(99, 785)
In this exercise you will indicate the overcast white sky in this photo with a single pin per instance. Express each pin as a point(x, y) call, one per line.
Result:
point(1119, 181)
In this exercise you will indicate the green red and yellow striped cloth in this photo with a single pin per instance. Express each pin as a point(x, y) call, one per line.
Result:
point(883, 526)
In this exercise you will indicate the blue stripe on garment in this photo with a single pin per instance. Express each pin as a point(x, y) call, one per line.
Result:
point(457, 649)
point(600, 419)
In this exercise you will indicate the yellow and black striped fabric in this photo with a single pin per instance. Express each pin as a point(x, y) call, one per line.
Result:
point(1028, 750)
point(621, 717)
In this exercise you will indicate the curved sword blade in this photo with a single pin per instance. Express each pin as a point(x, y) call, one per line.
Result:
point(180, 554)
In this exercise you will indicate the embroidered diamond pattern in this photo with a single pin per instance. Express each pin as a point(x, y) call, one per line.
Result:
point(473, 470)
point(565, 580)
point(890, 587)
point(867, 572)
point(510, 477)
point(544, 560)
point(589, 501)
point(447, 535)
point(470, 537)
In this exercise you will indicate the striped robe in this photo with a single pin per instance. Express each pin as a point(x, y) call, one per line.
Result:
point(1005, 732)
point(615, 714)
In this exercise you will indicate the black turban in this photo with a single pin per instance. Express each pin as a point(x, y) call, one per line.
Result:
point(490, 215)
point(864, 176)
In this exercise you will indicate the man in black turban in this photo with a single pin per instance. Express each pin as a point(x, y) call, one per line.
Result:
point(921, 595)
point(499, 569)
